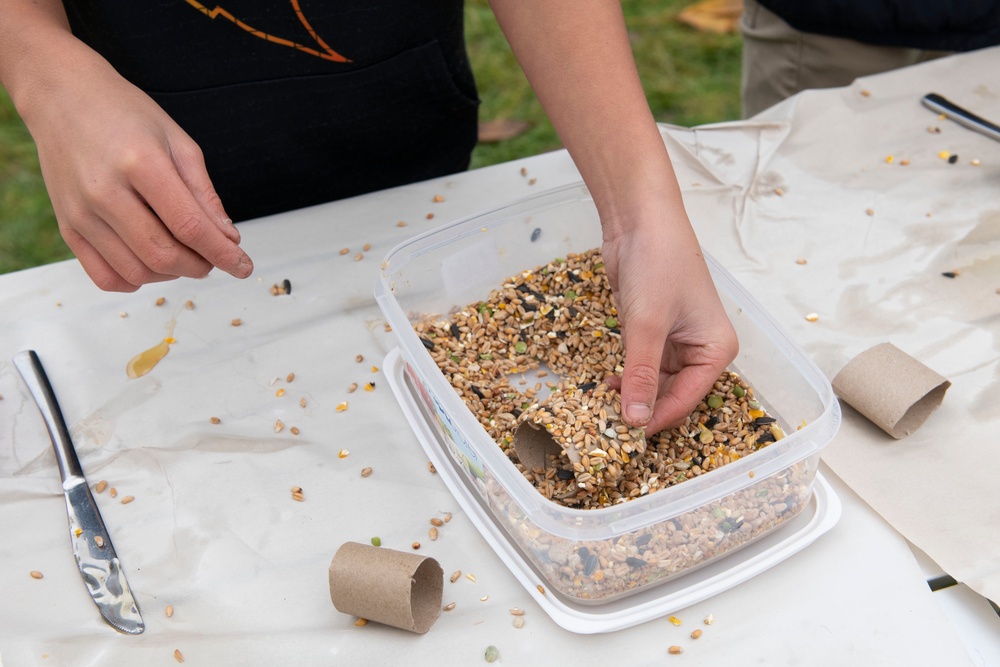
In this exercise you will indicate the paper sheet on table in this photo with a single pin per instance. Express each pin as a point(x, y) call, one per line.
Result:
point(821, 177)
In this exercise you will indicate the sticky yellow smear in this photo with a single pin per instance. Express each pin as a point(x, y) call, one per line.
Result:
point(145, 361)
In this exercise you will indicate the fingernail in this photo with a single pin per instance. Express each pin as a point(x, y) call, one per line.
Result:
point(638, 413)
point(245, 267)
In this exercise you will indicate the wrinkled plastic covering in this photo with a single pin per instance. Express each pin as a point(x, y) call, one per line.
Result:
point(214, 530)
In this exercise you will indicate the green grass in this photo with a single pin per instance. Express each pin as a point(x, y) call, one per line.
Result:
point(690, 78)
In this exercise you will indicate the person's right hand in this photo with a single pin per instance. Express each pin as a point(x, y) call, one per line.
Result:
point(129, 187)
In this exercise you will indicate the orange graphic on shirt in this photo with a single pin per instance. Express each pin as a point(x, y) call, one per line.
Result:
point(326, 54)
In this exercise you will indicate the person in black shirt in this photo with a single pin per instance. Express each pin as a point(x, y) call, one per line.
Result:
point(158, 122)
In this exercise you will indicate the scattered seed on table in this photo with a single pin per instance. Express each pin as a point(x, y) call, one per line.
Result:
point(433, 533)
point(35, 574)
point(302, 401)
point(178, 656)
point(933, 129)
point(438, 199)
point(541, 589)
point(290, 377)
point(484, 598)
point(344, 251)
point(113, 492)
point(975, 162)
point(696, 634)
point(374, 369)
point(401, 223)
point(169, 611)
point(361, 622)
point(516, 611)
point(99, 541)
point(889, 159)
point(286, 285)
point(343, 454)
point(369, 386)
point(865, 92)
point(710, 619)
point(944, 155)
point(950, 274)
point(298, 496)
point(870, 212)
point(492, 653)
point(279, 426)
point(471, 577)
point(359, 257)
point(388, 327)
point(904, 162)
point(812, 317)
point(189, 304)
point(535, 234)
point(367, 247)
point(430, 216)
point(532, 181)
point(430, 468)
point(779, 192)
point(447, 517)
point(103, 484)
point(675, 650)
point(341, 406)
point(376, 541)
point(78, 532)
point(214, 420)
point(365, 472)
point(449, 606)
point(279, 393)
point(952, 159)
point(294, 430)
point(437, 522)
point(160, 301)
point(455, 575)
point(801, 261)
point(123, 314)
point(415, 545)
point(524, 171)
point(359, 358)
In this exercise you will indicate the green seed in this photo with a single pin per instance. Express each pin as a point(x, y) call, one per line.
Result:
point(754, 405)
point(520, 347)
point(738, 391)
point(486, 357)
point(599, 265)
point(376, 541)
point(570, 295)
point(611, 323)
point(492, 653)
point(481, 307)
point(714, 401)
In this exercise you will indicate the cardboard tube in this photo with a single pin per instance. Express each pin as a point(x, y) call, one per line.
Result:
point(891, 388)
point(387, 586)
point(533, 446)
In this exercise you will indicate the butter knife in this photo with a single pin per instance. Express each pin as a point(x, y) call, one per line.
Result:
point(943, 106)
point(95, 555)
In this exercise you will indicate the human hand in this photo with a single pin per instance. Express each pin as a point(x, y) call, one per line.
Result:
point(129, 187)
point(676, 333)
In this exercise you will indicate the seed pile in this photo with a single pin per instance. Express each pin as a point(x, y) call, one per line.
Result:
point(563, 315)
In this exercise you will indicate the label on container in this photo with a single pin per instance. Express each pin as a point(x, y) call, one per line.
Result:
point(458, 446)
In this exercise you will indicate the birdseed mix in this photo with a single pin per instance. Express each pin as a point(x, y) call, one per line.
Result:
point(563, 315)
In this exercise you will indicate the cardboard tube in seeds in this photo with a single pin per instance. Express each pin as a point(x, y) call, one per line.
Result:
point(387, 586)
point(891, 388)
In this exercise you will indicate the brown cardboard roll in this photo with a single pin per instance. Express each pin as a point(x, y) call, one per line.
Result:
point(891, 388)
point(387, 586)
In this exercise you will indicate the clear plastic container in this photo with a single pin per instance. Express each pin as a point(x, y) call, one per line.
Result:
point(597, 555)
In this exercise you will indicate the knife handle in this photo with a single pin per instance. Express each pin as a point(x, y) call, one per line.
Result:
point(31, 369)
point(939, 104)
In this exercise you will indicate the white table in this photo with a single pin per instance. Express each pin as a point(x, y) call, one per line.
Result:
point(215, 533)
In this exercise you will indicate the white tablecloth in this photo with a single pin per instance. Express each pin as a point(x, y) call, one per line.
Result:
point(214, 532)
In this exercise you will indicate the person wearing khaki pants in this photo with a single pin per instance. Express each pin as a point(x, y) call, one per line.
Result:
point(779, 61)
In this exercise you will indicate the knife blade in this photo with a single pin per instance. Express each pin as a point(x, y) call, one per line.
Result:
point(963, 117)
point(95, 555)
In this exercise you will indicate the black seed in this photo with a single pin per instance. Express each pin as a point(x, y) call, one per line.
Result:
point(590, 565)
point(564, 474)
point(516, 412)
point(697, 460)
point(615, 330)
point(455, 331)
point(765, 437)
point(475, 390)
point(428, 344)
point(572, 311)
point(287, 284)
point(643, 540)
point(529, 307)
point(953, 159)
point(632, 561)
point(949, 274)
point(551, 315)
point(522, 288)
point(712, 422)
point(763, 421)
point(583, 553)
point(587, 386)
point(535, 234)
point(573, 277)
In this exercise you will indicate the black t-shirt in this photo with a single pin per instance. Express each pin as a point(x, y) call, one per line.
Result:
point(298, 102)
